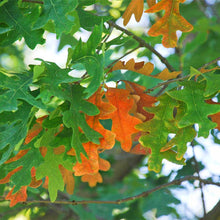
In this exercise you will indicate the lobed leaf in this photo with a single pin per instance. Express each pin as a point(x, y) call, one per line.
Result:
point(169, 23)
point(135, 7)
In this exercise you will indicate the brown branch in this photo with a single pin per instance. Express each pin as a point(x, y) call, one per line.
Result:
point(33, 1)
point(119, 201)
point(143, 44)
point(166, 83)
point(210, 63)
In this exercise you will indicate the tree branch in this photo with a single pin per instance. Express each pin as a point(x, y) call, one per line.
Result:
point(119, 201)
point(166, 83)
point(143, 44)
point(210, 63)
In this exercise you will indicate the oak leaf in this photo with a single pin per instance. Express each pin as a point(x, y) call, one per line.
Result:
point(144, 68)
point(7, 178)
point(88, 165)
point(19, 196)
point(144, 101)
point(169, 23)
point(34, 182)
point(141, 150)
point(92, 179)
point(123, 124)
point(68, 179)
point(215, 117)
point(135, 7)
point(107, 140)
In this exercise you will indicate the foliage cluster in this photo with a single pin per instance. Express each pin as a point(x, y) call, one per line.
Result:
point(60, 130)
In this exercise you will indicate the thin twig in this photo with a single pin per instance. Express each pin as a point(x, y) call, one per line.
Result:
point(119, 201)
point(202, 8)
point(200, 183)
point(33, 1)
point(166, 83)
point(143, 44)
point(210, 63)
point(115, 61)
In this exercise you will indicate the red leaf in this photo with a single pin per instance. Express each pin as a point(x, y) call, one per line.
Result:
point(18, 156)
point(19, 196)
point(7, 178)
point(215, 117)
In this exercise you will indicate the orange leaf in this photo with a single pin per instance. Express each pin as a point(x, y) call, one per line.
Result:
point(46, 182)
point(33, 132)
point(7, 178)
point(107, 140)
point(144, 101)
point(123, 124)
point(151, 3)
point(135, 7)
point(89, 165)
point(43, 151)
point(59, 150)
point(105, 108)
point(144, 68)
point(139, 67)
point(68, 179)
point(204, 70)
point(18, 156)
point(92, 179)
point(139, 149)
point(34, 182)
point(169, 23)
point(19, 196)
point(108, 137)
point(216, 117)
point(104, 165)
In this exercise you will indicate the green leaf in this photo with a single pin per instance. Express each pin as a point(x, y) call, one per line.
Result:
point(32, 159)
point(85, 53)
point(16, 87)
point(50, 168)
point(49, 77)
point(158, 130)
point(13, 129)
point(20, 25)
point(134, 212)
point(73, 118)
point(182, 137)
point(3, 2)
point(59, 12)
point(197, 111)
point(212, 83)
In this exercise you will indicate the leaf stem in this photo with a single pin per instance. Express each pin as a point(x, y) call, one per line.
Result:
point(143, 44)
